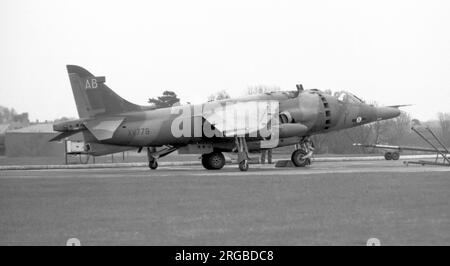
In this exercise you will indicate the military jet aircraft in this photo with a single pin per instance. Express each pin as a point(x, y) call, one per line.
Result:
point(111, 124)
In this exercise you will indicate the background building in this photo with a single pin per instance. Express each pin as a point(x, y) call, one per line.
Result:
point(3, 128)
point(33, 141)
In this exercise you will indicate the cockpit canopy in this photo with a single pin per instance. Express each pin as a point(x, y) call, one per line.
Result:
point(345, 96)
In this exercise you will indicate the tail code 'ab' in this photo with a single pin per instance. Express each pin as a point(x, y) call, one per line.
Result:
point(93, 98)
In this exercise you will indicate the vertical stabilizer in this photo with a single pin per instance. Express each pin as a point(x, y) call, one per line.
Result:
point(93, 98)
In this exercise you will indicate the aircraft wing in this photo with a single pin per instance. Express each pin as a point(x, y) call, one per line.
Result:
point(241, 118)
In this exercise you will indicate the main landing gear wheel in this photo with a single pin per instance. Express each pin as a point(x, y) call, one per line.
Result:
point(213, 161)
point(243, 166)
point(299, 160)
point(153, 164)
point(205, 161)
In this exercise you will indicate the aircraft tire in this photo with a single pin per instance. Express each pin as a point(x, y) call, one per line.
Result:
point(213, 161)
point(395, 156)
point(243, 166)
point(153, 165)
point(205, 162)
point(297, 158)
point(388, 156)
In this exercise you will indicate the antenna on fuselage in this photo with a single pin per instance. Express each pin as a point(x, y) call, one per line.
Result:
point(299, 89)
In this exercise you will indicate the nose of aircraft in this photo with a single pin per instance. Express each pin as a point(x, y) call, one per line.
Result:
point(387, 112)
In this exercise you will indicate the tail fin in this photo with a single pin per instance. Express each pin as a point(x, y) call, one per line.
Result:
point(93, 98)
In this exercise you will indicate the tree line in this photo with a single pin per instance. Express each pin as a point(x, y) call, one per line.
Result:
point(9, 115)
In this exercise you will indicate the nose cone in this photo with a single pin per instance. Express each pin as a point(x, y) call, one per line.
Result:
point(387, 113)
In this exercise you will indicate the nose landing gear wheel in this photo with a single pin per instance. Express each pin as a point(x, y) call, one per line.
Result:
point(301, 157)
point(299, 160)
point(243, 166)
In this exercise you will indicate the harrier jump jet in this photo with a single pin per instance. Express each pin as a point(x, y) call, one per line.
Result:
point(241, 125)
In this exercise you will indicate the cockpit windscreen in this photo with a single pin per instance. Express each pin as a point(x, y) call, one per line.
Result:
point(347, 96)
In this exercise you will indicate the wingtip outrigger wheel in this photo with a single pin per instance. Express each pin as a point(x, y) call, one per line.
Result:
point(242, 149)
point(152, 162)
point(153, 155)
point(243, 166)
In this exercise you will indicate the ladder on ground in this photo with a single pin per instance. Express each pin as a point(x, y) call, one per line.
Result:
point(433, 140)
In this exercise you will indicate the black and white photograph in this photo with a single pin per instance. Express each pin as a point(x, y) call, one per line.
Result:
point(253, 123)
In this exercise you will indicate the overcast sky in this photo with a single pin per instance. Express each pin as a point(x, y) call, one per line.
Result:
point(391, 52)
